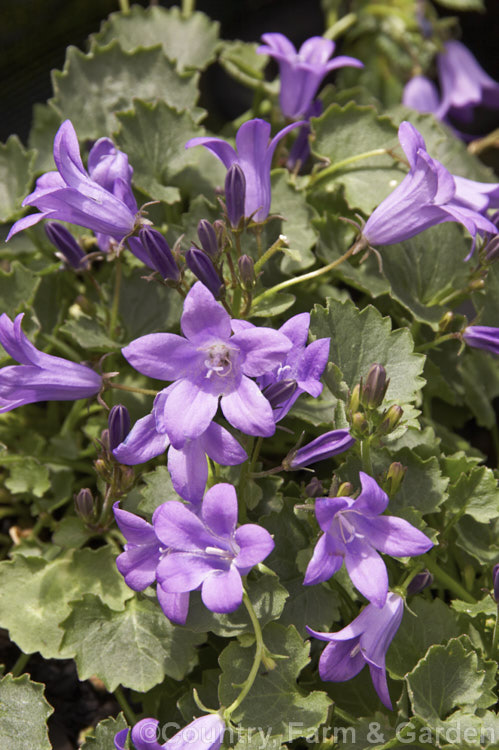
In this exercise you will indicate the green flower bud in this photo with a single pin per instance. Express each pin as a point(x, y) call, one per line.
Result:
point(391, 420)
point(372, 392)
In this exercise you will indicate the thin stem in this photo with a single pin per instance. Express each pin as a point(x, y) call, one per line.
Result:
point(125, 706)
point(280, 241)
point(116, 298)
point(356, 247)
point(248, 683)
point(448, 581)
point(188, 7)
point(18, 667)
point(365, 454)
point(436, 342)
point(339, 28)
point(132, 389)
point(124, 6)
point(73, 417)
point(256, 453)
point(404, 585)
point(324, 173)
point(64, 348)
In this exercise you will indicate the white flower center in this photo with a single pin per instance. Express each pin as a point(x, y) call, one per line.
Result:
point(218, 360)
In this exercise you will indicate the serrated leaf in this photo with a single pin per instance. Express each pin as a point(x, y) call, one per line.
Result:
point(480, 377)
point(343, 133)
point(103, 735)
point(191, 42)
point(301, 236)
point(89, 334)
point(362, 338)
point(16, 175)
point(135, 647)
point(242, 62)
point(486, 606)
point(475, 494)
point(158, 490)
point(17, 288)
point(480, 540)
point(35, 594)
point(424, 487)
point(45, 124)
point(275, 700)
point(23, 714)
point(27, 475)
point(93, 87)
point(276, 304)
point(154, 137)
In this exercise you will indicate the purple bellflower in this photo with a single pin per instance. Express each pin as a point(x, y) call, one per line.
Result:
point(300, 150)
point(72, 195)
point(138, 563)
point(429, 195)
point(254, 155)
point(187, 465)
point(482, 337)
point(40, 376)
point(207, 551)
point(422, 95)
point(326, 445)
point(302, 71)
point(208, 364)
point(205, 733)
point(353, 531)
point(364, 641)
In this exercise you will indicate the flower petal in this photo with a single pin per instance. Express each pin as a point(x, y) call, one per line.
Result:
point(255, 545)
point(204, 319)
point(179, 528)
point(372, 500)
point(394, 536)
point(221, 446)
point(323, 564)
point(367, 571)
point(222, 591)
point(247, 409)
point(164, 356)
point(263, 349)
point(188, 470)
point(179, 572)
point(174, 606)
point(142, 443)
point(337, 664)
point(219, 511)
point(188, 412)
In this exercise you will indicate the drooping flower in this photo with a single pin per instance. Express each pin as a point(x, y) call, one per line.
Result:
point(302, 71)
point(205, 733)
point(207, 364)
point(326, 445)
point(422, 95)
point(208, 551)
point(187, 465)
point(482, 337)
point(138, 562)
point(40, 376)
point(353, 531)
point(71, 195)
point(253, 153)
point(364, 641)
point(429, 195)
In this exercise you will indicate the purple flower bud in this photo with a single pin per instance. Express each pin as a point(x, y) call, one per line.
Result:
point(69, 249)
point(278, 393)
point(235, 194)
point(208, 238)
point(495, 582)
point(84, 504)
point(373, 391)
point(247, 271)
point(160, 254)
point(391, 420)
point(325, 446)
point(314, 488)
point(119, 425)
point(420, 582)
point(491, 249)
point(202, 267)
point(482, 337)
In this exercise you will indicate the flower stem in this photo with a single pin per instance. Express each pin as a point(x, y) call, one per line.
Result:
point(280, 241)
point(404, 585)
point(339, 28)
point(355, 248)
point(448, 581)
point(116, 298)
point(248, 683)
point(125, 706)
point(365, 453)
point(18, 667)
point(188, 7)
point(436, 342)
point(324, 173)
point(132, 389)
point(124, 6)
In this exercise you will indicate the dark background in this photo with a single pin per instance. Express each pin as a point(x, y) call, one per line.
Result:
point(35, 33)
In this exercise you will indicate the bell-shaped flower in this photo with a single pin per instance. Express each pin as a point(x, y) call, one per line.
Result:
point(205, 733)
point(141, 556)
point(326, 445)
point(40, 376)
point(253, 153)
point(302, 71)
point(422, 95)
point(208, 364)
point(482, 337)
point(208, 551)
point(364, 641)
point(70, 194)
point(353, 531)
point(187, 465)
point(429, 195)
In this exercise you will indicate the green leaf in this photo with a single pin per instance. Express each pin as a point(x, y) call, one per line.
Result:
point(45, 124)
point(191, 42)
point(103, 735)
point(480, 377)
point(272, 305)
point(27, 475)
point(16, 175)
point(343, 133)
point(480, 540)
point(135, 647)
point(242, 62)
point(362, 338)
point(146, 307)
point(267, 597)
point(461, 5)
point(448, 677)
point(475, 494)
point(424, 487)
point(17, 288)
point(275, 700)
point(158, 490)
point(34, 594)
point(487, 300)
point(154, 137)
point(23, 714)
point(297, 226)
point(88, 333)
point(92, 88)
point(486, 606)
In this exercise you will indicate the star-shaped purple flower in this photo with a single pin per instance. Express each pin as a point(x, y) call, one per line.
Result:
point(205, 733)
point(208, 551)
point(71, 195)
point(302, 71)
point(40, 376)
point(353, 531)
point(253, 153)
point(364, 641)
point(429, 195)
point(207, 364)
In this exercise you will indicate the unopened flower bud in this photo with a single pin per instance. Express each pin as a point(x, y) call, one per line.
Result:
point(325, 446)
point(476, 285)
point(491, 249)
point(391, 420)
point(119, 425)
point(395, 476)
point(69, 250)
point(359, 424)
point(445, 321)
point(495, 581)
point(420, 582)
point(84, 504)
point(247, 271)
point(102, 469)
point(104, 439)
point(235, 194)
point(159, 252)
point(373, 390)
point(278, 393)
point(314, 488)
point(202, 267)
point(354, 401)
point(208, 238)
point(345, 489)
